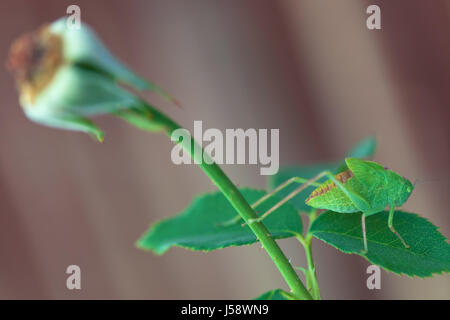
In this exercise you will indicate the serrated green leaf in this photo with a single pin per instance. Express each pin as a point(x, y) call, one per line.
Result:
point(429, 252)
point(363, 149)
point(201, 225)
point(276, 294)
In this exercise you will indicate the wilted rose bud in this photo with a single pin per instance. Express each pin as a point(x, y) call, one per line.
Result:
point(65, 75)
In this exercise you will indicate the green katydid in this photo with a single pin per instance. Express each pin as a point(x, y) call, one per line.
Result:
point(364, 186)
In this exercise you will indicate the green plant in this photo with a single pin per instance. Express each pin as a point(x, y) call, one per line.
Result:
point(209, 228)
point(61, 88)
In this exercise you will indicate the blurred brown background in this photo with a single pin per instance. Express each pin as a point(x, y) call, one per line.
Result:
point(310, 68)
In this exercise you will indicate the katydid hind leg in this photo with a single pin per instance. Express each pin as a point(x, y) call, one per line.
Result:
point(266, 197)
point(281, 187)
point(359, 202)
point(291, 195)
point(391, 226)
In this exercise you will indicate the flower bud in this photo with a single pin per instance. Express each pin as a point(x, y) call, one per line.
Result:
point(65, 75)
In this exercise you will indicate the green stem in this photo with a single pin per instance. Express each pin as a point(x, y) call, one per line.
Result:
point(235, 197)
point(311, 278)
point(315, 291)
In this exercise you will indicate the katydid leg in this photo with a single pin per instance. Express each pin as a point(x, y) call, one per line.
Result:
point(281, 187)
point(284, 185)
point(291, 195)
point(391, 226)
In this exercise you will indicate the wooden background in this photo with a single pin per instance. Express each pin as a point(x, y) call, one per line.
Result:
point(310, 68)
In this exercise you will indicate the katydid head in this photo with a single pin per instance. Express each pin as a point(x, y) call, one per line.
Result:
point(405, 191)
